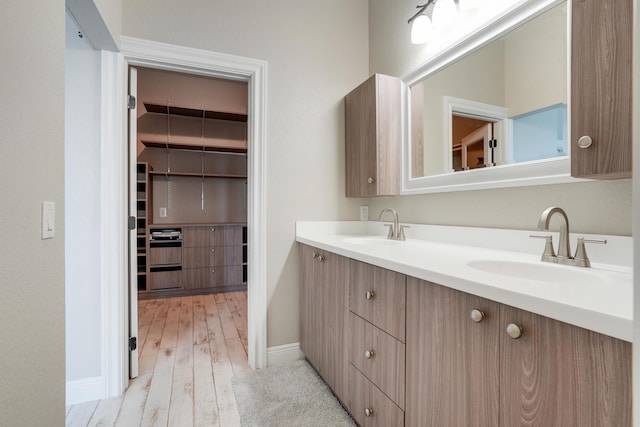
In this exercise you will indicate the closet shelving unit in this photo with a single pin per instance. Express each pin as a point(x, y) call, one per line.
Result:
point(143, 190)
point(177, 142)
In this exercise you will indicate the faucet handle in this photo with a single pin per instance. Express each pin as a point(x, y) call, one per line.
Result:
point(549, 255)
point(401, 235)
point(581, 257)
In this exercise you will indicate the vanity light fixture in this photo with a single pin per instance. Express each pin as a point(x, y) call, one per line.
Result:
point(444, 14)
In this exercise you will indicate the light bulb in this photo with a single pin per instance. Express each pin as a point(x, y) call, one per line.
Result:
point(421, 30)
point(444, 13)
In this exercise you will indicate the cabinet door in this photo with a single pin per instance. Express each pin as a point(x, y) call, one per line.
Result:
point(452, 362)
point(372, 139)
point(560, 375)
point(601, 76)
point(335, 288)
point(310, 306)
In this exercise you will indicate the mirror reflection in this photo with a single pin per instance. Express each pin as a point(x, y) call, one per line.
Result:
point(504, 103)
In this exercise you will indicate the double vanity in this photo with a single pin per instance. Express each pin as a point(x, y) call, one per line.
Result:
point(465, 326)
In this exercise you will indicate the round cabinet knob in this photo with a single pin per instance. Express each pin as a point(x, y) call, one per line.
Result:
point(370, 180)
point(585, 141)
point(213, 250)
point(368, 412)
point(514, 331)
point(368, 295)
point(477, 315)
point(320, 258)
point(213, 229)
point(213, 270)
point(368, 354)
point(314, 255)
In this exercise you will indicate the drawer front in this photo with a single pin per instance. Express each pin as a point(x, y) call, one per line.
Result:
point(195, 278)
point(379, 356)
point(225, 255)
point(369, 406)
point(379, 296)
point(164, 256)
point(197, 257)
point(165, 279)
point(193, 237)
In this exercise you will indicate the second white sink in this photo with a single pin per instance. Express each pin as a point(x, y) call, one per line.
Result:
point(539, 271)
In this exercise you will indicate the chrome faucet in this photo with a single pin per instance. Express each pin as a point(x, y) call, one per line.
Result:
point(396, 231)
point(564, 248)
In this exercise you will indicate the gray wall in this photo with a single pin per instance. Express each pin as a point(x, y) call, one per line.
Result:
point(316, 52)
point(593, 207)
point(32, 156)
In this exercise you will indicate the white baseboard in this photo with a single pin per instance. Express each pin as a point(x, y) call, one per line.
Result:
point(284, 354)
point(85, 390)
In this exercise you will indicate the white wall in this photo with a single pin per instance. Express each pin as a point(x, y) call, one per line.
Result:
point(316, 53)
point(593, 207)
point(82, 201)
point(32, 371)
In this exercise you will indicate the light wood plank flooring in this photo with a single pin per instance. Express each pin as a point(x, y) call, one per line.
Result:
point(190, 348)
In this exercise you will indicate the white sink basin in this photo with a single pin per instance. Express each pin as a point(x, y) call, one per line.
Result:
point(539, 271)
point(371, 241)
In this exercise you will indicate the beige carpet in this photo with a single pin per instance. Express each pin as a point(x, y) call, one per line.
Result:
point(291, 395)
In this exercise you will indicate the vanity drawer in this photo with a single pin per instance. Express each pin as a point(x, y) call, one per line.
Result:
point(379, 296)
point(369, 406)
point(211, 236)
point(200, 257)
point(209, 277)
point(379, 356)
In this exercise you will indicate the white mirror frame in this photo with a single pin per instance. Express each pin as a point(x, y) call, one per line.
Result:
point(539, 172)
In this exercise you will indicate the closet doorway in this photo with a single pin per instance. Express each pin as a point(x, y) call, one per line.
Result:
point(240, 220)
point(190, 149)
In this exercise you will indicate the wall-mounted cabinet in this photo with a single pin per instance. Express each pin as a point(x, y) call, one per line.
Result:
point(372, 123)
point(601, 88)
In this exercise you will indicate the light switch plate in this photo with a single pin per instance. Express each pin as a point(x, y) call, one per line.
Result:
point(163, 212)
point(364, 213)
point(48, 220)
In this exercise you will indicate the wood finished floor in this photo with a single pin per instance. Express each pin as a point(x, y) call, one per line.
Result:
point(190, 349)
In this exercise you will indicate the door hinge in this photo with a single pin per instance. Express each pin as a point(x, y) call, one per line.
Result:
point(493, 143)
point(131, 223)
point(131, 102)
point(133, 343)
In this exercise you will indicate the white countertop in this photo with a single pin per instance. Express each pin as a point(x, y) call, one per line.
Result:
point(599, 298)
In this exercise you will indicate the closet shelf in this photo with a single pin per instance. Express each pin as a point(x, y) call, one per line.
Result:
point(198, 175)
point(194, 112)
point(194, 147)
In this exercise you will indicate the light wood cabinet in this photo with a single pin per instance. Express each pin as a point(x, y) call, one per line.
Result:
point(555, 374)
point(372, 140)
point(561, 375)
point(601, 87)
point(212, 256)
point(377, 304)
point(324, 279)
point(450, 358)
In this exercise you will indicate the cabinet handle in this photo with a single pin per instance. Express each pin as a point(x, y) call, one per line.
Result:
point(320, 258)
point(368, 354)
point(213, 250)
point(213, 229)
point(370, 180)
point(213, 270)
point(514, 331)
point(585, 141)
point(314, 255)
point(477, 315)
point(368, 295)
point(368, 412)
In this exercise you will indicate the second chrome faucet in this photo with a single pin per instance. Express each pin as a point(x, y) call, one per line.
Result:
point(564, 247)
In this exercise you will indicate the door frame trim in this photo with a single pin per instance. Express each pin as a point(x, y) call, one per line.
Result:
point(145, 53)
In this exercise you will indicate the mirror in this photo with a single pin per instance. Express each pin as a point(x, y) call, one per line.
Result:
point(492, 111)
